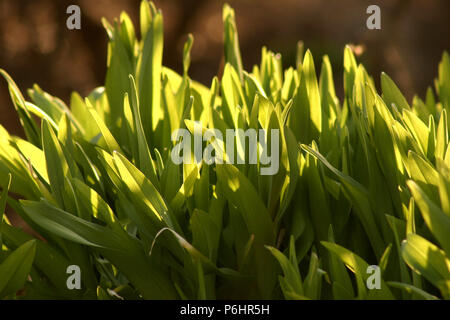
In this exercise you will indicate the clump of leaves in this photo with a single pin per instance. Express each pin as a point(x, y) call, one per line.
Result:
point(363, 180)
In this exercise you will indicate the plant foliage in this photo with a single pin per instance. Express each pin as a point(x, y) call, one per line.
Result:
point(363, 180)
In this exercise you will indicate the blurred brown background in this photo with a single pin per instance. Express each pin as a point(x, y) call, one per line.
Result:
point(36, 46)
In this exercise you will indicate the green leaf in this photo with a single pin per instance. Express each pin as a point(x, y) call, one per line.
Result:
point(48, 259)
point(443, 83)
point(120, 64)
point(143, 192)
point(427, 259)
point(292, 279)
point(145, 160)
point(27, 122)
point(231, 41)
point(442, 136)
point(3, 198)
point(35, 155)
point(16, 268)
point(359, 267)
point(358, 195)
point(110, 141)
point(313, 95)
point(121, 249)
point(241, 193)
point(350, 67)
point(149, 67)
point(57, 166)
point(299, 118)
point(391, 94)
point(187, 53)
point(412, 289)
point(437, 221)
point(313, 281)
point(342, 285)
point(206, 232)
